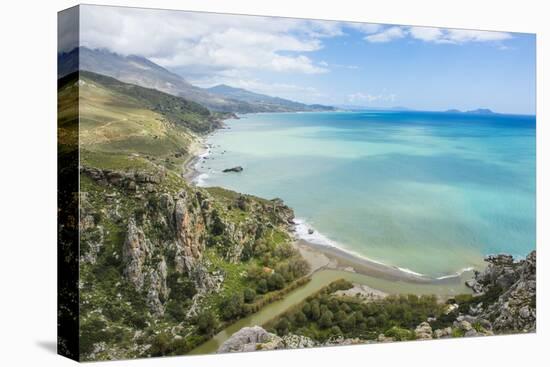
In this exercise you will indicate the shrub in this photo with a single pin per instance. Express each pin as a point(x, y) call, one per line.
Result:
point(326, 321)
point(282, 326)
point(207, 322)
point(249, 295)
point(261, 287)
point(275, 282)
point(400, 334)
point(160, 345)
point(232, 306)
point(300, 319)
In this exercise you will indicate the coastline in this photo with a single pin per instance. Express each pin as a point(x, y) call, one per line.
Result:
point(197, 150)
point(322, 257)
point(328, 257)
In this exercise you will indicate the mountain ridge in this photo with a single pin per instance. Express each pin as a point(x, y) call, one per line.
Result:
point(138, 70)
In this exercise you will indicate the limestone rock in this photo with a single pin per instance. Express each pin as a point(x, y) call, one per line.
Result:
point(250, 339)
point(423, 331)
point(134, 253)
point(515, 308)
point(443, 333)
point(292, 341)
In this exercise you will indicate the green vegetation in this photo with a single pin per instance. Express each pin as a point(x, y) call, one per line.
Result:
point(325, 315)
point(129, 130)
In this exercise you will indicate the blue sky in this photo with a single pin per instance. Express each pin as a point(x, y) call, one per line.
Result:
point(328, 62)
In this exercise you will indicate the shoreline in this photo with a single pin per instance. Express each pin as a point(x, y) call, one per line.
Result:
point(328, 257)
point(198, 149)
point(322, 257)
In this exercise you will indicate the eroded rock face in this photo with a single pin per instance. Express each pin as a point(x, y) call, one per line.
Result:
point(190, 233)
point(135, 252)
point(158, 291)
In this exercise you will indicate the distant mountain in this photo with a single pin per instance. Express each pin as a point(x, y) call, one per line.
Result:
point(264, 101)
point(479, 111)
point(145, 73)
point(362, 108)
point(140, 71)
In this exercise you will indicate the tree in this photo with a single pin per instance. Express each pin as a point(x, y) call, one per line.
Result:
point(340, 316)
point(371, 322)
point(232, 306)
point(262, 286)
point(300, 319)
point(160, 345)
point(349, 323)
point(207, 322)
point(282, 326)
point(306, 309)
point(315, 311)
point(275, 282)
point(326, 320)
point(249, 295)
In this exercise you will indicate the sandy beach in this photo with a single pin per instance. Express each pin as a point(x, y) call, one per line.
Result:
point(325, 257)
point(196, 150)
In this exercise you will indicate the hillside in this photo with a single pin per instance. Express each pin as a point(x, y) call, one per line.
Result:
point(163, 265)
point(142, 72)
point(264, 101)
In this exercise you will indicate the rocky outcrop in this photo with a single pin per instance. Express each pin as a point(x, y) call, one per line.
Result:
point(423, 331)
point(132, 180)
point(514, 310)
point(135, 252)
point(190, 233)
point(292, 341)
point(443, 333)
point(257, 338)
point(250, 339)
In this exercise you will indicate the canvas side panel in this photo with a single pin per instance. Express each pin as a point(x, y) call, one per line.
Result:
point(68, 184)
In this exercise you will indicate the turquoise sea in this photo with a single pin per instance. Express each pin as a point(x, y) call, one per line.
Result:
point(429, 192)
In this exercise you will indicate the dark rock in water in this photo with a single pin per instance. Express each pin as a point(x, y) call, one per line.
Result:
point(234, 169)
point(310, 231)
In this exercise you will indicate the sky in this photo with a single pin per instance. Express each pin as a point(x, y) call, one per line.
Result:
point(328, 62)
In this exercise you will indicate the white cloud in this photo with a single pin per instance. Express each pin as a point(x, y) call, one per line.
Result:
point(367, 28)
point(462, 35)
point(456, 36)
point(185, 39)
point(387, 35)
point(426, 33)
point(437, 35)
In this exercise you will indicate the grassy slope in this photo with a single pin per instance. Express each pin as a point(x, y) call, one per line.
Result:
point(119, 130)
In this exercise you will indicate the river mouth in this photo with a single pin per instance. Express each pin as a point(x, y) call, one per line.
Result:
point(320, 279)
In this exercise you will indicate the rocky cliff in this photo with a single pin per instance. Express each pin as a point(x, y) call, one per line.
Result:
point(505, 294)
point(172, 247)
